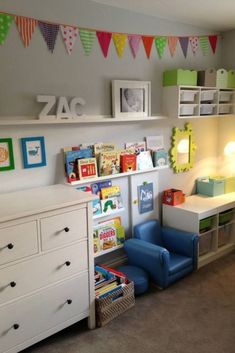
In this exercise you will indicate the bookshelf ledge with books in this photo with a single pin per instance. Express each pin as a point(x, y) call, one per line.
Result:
point(103, 252)
point(101, 215)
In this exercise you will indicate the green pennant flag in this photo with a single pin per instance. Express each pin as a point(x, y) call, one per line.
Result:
point(87, 38)
point(160, 43)
point(204, 44)
point(5, 23)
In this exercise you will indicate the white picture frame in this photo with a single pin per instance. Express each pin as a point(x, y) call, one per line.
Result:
point(131, 99)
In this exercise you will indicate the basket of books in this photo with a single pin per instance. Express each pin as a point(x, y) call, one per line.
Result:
point(115, 299)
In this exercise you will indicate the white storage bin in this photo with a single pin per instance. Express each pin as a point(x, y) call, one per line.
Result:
point(187, 109)
point(207, 109)
point(225, 109)
point(205, 243)
point(224, 235)
point(208, 95)
point(188, 95)
point(225, 96)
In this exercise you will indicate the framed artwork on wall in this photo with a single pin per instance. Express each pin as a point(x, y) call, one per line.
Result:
point(131, 98)
point(33, 149)
point(6, 154)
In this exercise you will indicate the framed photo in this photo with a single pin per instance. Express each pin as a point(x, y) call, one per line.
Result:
point(6, 154)
point(34, 154)
point(131, 98)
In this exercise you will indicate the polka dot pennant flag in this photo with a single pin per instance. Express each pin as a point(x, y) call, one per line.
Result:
point(172, 43)
point(70, 35)
point(160, 43)
point(184, 45)
point(5, 23)
point(213, 42)
point(26, 27)
point(204, 43)
point(148, 42)
point(87, 38)
point(119, 40)
point(134, 41)
point(49, 32)
point(194, 42)
point(104, 39)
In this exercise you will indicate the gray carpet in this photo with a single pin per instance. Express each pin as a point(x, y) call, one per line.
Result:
point(195, 315)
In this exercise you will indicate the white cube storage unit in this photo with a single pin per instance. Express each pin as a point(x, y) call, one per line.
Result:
point(46, 264)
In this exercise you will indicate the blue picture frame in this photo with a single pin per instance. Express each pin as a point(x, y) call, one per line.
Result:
point(34, 153)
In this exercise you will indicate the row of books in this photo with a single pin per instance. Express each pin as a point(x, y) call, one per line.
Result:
point(108, 281)
point(102, 159)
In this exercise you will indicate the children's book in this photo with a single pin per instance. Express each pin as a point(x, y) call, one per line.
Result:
point(115, 221)
point(144, 160)
point(96, 187)
point(103, 147)
point(160, 158)
point(109, 163)
point(154, 143)
point(110, 191)
point(108, 206)
point(107, 237)
point(96, 206)
point(71, 162)
point(96, 241)
point(136, 147)
point(87, 168)
point(128, 162)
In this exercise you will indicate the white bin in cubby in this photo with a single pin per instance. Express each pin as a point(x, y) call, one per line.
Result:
point(224, 235)
point(208, 95)
point(225, 109)
point(208, 109)
point(205, 243)
point(188, 95)
point(225, 96)
point(188, 109)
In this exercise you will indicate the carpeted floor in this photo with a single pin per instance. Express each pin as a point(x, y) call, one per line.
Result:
point(195, 315)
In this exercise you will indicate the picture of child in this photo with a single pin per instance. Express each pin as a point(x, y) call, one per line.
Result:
point(132, 100)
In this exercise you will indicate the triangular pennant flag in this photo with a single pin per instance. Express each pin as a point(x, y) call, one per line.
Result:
point(104, 39)
point(148, 42)
point(5, 23)
point(70, 35)
point(204, 43)
point(184, 45)
point(172, 43)
point(49, 32)
point(87, 38)
point(160, 43)
point(26, 27)
point(194, 42)
point(213, 42)
point(134, 41)
point(119, 40)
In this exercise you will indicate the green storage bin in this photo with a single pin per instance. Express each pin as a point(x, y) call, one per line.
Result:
point(205, 224)
point(225, 217)
point(231, 79)
point(229, 185)
point(210, 186)
point(180, 77)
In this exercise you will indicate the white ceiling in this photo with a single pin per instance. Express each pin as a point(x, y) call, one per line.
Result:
point(217, 15)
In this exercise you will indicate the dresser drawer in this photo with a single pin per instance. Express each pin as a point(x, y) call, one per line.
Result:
point(63, 228)
point(42, 311)
point(18, 241)
point(40, 271)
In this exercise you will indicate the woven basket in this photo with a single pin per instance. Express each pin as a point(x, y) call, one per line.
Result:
point(114, 304)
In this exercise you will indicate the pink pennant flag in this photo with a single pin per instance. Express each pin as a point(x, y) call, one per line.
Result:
point(104, 39)
point(134, 41)
point(194, 42)
point(172, 43)
point(70, 35)
point(26, 27)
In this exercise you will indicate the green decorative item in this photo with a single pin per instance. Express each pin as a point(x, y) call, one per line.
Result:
point(87, 38)
point(204, 44)
point(160, 43)
point(183, 148)
point(180, 77)
point(231, 79)
point(5, 23)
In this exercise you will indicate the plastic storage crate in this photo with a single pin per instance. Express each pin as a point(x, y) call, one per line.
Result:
point(188, 109)
point(208, 95)
point(210, 186)
point(207, 109)
point(225, 217)
point(205, 224)
point(225, 96)
point(188, 95)
point(224, 235)
point(205, 243)
point(180, 77)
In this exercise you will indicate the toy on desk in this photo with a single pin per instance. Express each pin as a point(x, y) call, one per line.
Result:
point(173, 197)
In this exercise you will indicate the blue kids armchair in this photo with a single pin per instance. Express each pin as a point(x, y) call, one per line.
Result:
point(167, 254)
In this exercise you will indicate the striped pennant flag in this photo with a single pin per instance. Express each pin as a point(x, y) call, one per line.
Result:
point(134, 41)
point(172, 43)
point(26, 27)
point(119, 40)
point(87, 38)
point(148, 42)
point(160, 43)
point(194, 42)
point(5, 24)
point(49, 32)
point(70, 35)
point(204, 43)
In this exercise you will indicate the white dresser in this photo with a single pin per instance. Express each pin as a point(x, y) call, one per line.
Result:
point(46, 264)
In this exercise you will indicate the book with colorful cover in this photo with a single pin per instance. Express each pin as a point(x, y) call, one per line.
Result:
point(96, 206)
point(109, 163)
point(71, 162)
point(136, 147)
point(96, 241)
point(103, 147)
point(96, 187)
point(87, 168)
point(110, 192)
point(128, 162)
point(160, 158)
point(144, 160)
point(115, 221)
point(107, 237)
point(108, 206)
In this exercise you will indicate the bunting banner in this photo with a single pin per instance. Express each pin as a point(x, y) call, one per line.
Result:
point(5, 24)
point(49, 32)
point(26, 27)
point(70, 33)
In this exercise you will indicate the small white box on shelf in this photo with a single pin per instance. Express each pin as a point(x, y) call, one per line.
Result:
point(208, 95)
point(207, 109)
point(187, 109)
point(188, 95)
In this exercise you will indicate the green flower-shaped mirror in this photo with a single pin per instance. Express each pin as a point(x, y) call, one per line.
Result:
point(183, 148)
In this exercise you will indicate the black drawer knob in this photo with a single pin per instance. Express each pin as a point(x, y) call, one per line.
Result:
point(10, 246)
point(69, 301)
point(16, 326)
point(12, 284)
point(66, 229)
point(67, 263)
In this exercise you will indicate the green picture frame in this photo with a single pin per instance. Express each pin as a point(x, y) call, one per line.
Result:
point(6, 155)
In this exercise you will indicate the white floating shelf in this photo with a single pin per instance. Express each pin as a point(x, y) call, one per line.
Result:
point(100, 253)
point(102, 215)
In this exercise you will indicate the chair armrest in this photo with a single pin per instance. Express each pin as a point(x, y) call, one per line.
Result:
point(152, 258)
point(181, 242)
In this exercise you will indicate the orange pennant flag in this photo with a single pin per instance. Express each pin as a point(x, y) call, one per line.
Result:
point(172, 43)
point(148, 42)
point(26, 27)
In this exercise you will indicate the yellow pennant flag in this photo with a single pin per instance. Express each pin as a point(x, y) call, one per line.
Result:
point(119, 42)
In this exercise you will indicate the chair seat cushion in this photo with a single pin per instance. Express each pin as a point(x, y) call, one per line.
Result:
point(138, 276)
point(178, 263)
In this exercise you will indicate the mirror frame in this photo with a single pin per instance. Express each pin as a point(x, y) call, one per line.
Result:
point(177, 135)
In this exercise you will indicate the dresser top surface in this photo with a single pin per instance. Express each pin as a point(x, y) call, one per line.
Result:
point(42, 199)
